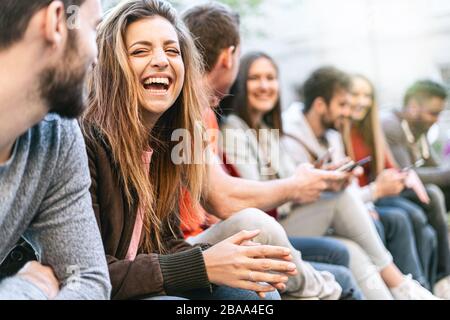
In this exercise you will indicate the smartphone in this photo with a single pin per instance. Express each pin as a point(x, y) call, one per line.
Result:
point(350, 166)
point(419, 163)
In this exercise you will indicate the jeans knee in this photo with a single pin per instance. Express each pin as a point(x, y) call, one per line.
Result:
point(430, 235)
point(437, 204)
point(342, 274)
point(341, 255)
point(274, 295)
point(435, 193)
point(399, 220)
point(418, 217)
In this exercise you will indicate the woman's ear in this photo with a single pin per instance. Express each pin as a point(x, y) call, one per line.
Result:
point(55, 28)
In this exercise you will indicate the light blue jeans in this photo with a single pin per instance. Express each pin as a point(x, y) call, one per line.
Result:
point(165, 298)
point(227, 293)
point(219, 293)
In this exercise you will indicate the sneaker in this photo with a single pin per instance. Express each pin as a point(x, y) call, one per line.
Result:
point(442, 288)
point(410, 289)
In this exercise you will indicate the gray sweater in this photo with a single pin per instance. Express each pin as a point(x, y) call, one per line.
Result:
point(433, 171)
point(44, 197)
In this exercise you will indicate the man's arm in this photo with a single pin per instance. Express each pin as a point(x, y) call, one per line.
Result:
point(65, 232)
point(33, 282)
point(227, 195)
point(431, 173)
point(18, 288)
point(296, 151)
point(434, 172)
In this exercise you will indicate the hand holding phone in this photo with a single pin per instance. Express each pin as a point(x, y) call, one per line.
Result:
point(419, 163)
point(352, 165)
point(413, 182)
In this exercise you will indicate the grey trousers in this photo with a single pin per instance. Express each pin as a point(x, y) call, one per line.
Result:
point(347, 216)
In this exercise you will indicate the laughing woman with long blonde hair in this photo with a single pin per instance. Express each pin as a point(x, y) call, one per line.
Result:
point(147, 83)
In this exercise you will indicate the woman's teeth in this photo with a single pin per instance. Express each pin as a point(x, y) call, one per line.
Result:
point(157, 85)
point(164, 81)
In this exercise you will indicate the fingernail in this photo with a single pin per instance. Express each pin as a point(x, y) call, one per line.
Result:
point(292, 266)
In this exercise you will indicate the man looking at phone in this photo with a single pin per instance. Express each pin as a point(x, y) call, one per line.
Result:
point(406, 132)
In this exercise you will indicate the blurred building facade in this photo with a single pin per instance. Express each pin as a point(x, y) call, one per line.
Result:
point(393, 42)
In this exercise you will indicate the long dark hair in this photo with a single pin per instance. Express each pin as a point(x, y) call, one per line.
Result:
point(237, 101)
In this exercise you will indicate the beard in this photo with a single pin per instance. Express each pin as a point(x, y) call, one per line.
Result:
point(419, 127)
point(327, 124)
point(63, 87)
point(337, 124)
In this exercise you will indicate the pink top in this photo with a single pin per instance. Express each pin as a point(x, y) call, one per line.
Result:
point(139, 224)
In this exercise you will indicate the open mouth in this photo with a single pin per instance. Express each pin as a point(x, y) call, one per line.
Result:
point(159, 86)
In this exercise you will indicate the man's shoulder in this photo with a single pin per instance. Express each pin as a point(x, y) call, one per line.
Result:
point(293, 112)
point(96, 142)
point(233, 121)
point(294, 122)
point(333, 134)
point(390, 119)
point(57, 138)
point(391, 125)
point(334, 138)
point(57, 129)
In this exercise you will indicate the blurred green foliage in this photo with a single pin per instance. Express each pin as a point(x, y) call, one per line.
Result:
point(243, 6)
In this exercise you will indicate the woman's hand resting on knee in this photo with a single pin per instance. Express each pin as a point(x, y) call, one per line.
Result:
point(239, 263)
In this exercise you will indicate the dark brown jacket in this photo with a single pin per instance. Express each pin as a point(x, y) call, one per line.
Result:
point(150, 273)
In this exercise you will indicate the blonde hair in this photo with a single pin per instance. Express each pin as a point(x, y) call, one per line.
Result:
point(370, 128)
point(114, 109)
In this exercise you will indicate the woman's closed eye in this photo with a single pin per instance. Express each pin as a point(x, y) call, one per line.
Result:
point(173, 51)
point(138, 52)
